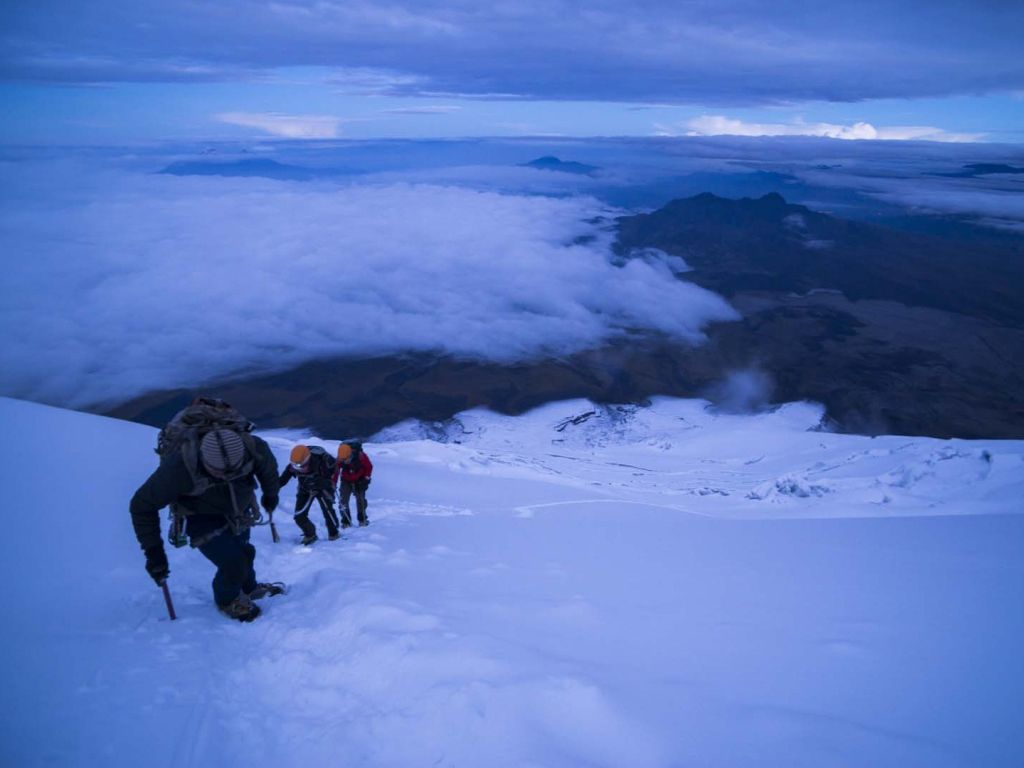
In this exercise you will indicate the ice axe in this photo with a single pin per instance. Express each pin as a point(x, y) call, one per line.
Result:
point(167, 599)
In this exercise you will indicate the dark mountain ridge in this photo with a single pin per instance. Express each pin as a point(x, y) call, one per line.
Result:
point(891, 330)
point(247, 168)
point(767, 244)
point(552, 163)
point(972, 170)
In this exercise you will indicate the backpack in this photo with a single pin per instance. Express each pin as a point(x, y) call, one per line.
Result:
point(195, 420)
point(324, 461)
point(182, 435)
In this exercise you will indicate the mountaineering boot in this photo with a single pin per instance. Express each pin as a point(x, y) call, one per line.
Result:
point(331, 521)
point(363, 522)
point(242, 608)
point(308, 539)
point(265, 589)
point(307, 528)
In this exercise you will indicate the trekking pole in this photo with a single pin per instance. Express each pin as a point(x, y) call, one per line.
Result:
point(167, 599)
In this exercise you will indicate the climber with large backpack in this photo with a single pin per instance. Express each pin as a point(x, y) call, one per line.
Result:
point(354, 469)
point(313, 467)
point(210, 463)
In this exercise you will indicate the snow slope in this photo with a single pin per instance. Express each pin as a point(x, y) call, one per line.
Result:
point(578, 586)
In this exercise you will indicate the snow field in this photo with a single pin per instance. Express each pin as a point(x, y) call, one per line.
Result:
point(648, 587)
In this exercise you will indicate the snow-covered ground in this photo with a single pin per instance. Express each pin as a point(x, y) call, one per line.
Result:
point(578, 586)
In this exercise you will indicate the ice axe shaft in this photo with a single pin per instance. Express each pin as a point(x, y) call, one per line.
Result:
point(167, 599)
point(273, 529)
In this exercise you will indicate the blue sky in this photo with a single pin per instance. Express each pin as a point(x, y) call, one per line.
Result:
point(114, 71)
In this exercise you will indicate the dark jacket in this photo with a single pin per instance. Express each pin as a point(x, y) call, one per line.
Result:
point(171, 483)
point(316, 475)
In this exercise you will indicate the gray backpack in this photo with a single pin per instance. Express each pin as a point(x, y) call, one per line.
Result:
point(182, 435)
point(198, 418)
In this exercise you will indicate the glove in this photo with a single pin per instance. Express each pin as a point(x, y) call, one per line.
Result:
point(156, 563)
point(269, 503)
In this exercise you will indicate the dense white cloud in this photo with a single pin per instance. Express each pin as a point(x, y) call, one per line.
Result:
point(286, 126)
point(719, 125)
point(118, 283)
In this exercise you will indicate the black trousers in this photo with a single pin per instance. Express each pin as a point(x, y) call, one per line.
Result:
point(347, 489)
point(304, 500)
point(234, 556)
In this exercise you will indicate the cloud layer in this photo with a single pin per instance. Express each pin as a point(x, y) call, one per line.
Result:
point(117, 283)
point(718, 125)
point(714, 53)
point(117, 280)
point(286, 126)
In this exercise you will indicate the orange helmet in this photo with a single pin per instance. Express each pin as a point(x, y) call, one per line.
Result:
point(299, 457)
point(344, 452)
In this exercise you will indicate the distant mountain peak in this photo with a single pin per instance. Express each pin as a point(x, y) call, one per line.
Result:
point(768, 244)
point(552, 163)
point(972, 170)
point(706, 206)
point(258, 166)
